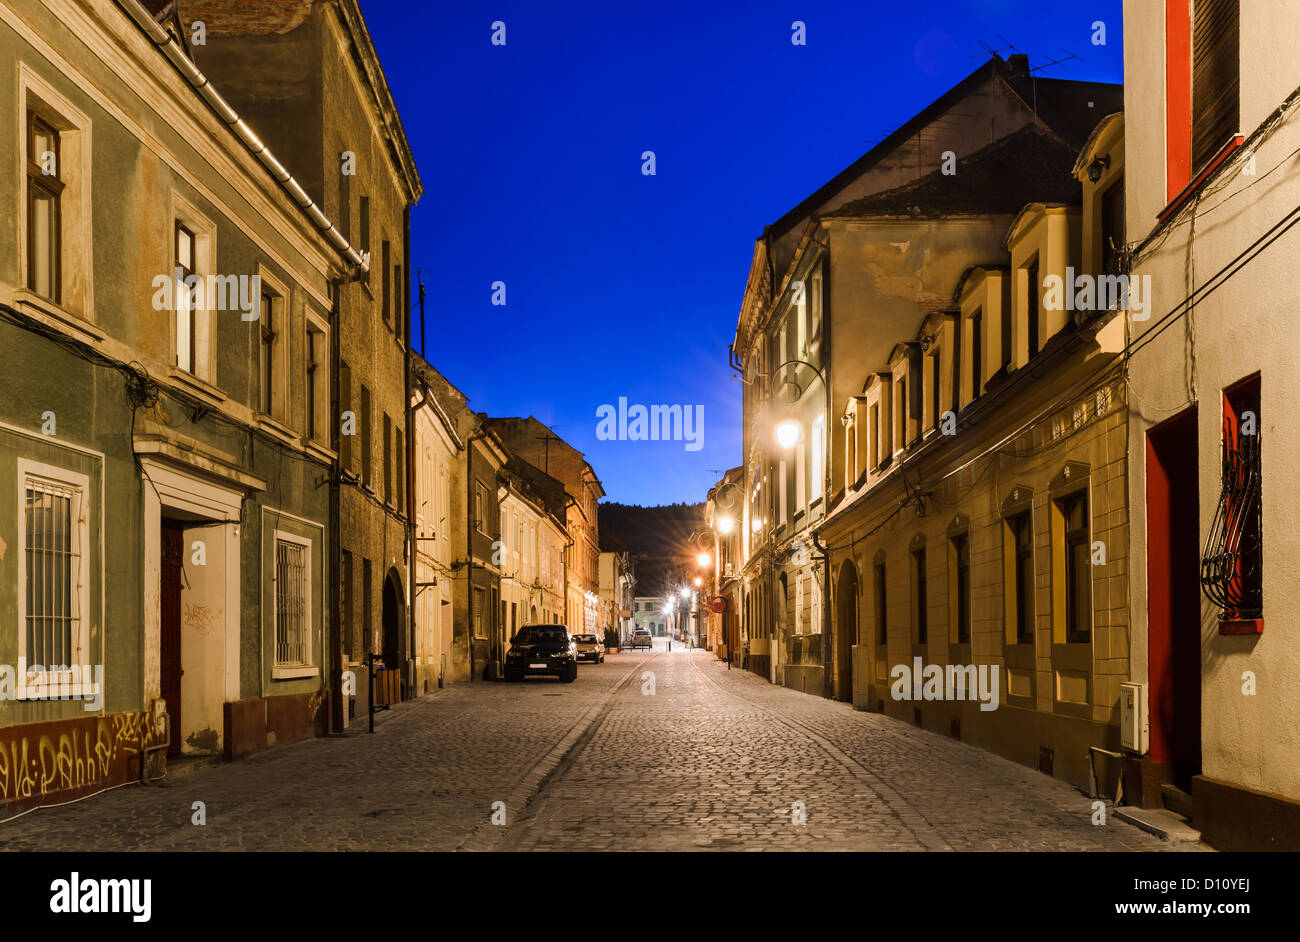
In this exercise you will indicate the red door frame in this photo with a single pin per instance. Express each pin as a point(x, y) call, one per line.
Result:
point(1173, 595)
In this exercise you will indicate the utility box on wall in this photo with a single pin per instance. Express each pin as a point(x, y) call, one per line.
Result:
point(1133, 726)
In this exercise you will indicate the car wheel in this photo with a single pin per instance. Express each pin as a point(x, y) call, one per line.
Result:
point(571, 674)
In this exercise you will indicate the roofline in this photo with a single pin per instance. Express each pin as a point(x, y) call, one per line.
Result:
point(372, 70)
point(994, 67)
point(166, 44)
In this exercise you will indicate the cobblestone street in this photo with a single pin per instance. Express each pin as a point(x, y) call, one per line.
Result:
point(712, 759)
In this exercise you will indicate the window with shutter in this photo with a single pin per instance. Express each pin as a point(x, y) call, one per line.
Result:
point(1215, 75)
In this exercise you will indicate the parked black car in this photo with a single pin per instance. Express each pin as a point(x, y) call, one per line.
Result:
point(542, 649)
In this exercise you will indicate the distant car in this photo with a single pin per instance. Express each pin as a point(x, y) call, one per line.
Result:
point(547, 650)
point(641, 638)
point(590, 648)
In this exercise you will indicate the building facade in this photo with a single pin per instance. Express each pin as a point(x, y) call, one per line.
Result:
point(170, 537)
point(280, 62)
point(1211, 103)
point(539, 446)
point(439, 459)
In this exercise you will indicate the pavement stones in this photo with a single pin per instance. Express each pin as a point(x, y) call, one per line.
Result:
point(711, 760)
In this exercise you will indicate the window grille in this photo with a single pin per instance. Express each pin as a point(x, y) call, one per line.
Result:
point(1231, 565)
point(290, 603)
point(52, 560)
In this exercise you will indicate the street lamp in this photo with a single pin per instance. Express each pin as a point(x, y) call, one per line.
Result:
point(787, 434)
point(704, 559)
point(698, 582)
point(726, 525)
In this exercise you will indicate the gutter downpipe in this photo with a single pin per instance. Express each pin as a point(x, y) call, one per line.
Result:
point(172, 50)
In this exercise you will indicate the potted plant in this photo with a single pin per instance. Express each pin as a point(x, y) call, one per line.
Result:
point(611, 641)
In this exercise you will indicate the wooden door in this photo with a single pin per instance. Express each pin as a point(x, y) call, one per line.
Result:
point(173, 561)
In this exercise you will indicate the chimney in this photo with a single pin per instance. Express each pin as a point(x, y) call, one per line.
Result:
point(1017, 64)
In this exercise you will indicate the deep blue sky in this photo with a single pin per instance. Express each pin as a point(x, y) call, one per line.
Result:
point(619, 284)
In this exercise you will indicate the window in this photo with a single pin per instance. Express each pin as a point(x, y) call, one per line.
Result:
point(1215, 77)
point(345, 200)
point(1112, 226)
point(44, 195)
point(399, 304)
point(367, 602)
point(956, 365)
point(1022, 575)
point(959, 553)
point(902, 414)
point(976, 353)
point(365, 229)
point(480, 599)
point(1032, 307)
point(385, 271)
point(1006, 335)
point(345, 405)
point(919, 602)
point(480, 508)
point(186, 301)
point(310, 368)
point(882, 632)
point(1078, 568)
point(53, 577)
point(818, 456)
point(292, 601)
point(1232, 568)
point(400, 470)
point(266, 330)
point(347, 602)
point(365, 436)
point(388, 459)
point(936, 400)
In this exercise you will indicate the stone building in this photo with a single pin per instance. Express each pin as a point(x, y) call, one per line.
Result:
point(307, 79)
point(167, 452)
point(1212, 105)
point(539, 446)
point(841, 279)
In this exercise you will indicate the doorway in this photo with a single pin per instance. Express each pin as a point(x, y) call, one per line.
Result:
point(1174, 597)
point(391, 619)
point(846, 634)
point(169, 650)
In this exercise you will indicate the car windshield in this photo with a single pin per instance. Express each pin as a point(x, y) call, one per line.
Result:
point(584, 638)
point(540, 634)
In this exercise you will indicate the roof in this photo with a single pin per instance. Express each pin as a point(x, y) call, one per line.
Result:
point(1029, 164)
point(1063, 105)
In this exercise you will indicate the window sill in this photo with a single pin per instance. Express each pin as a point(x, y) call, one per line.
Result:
point(280, 431)
point(1241, 626)
point(294, 673)
point(197, 386)
point(58, 317)
point(1184, 195)
point(318, 450)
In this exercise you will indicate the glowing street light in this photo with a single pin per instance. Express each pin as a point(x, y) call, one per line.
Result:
point(704, 559)
point(726, 525)
point(787, 433)
point(698, 582)
point(686, 593)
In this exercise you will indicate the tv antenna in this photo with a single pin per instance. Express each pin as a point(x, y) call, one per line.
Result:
point(1058, 61)
point(990, 51)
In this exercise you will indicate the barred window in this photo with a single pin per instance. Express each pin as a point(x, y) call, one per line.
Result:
point(52, 551)
point(291, 611)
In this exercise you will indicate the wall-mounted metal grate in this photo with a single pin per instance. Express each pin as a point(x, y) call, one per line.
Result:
point(290, 603)
point(52, 557)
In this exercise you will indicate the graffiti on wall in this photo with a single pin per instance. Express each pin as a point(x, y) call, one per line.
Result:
point(41, 759)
